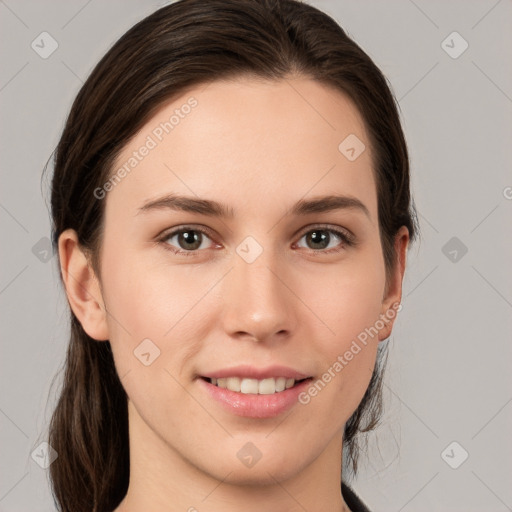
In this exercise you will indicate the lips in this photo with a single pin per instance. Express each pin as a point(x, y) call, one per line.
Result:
point(256, 392)
point(251, 372)
point(254, 405)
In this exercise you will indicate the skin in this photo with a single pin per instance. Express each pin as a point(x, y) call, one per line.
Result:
point(258, 147)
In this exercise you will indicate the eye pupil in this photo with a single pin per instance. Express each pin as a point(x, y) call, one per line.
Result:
point(190, 237)
point(319, 237)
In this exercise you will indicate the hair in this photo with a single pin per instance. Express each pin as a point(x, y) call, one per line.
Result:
point(182, 45)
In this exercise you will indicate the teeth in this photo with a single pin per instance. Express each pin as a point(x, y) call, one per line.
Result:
point(267, 386)
point(253, 386)
point(280, 384)
point(233, 383)
point(249, 386)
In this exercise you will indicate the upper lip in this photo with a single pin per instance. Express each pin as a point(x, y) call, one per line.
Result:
point(251, 372)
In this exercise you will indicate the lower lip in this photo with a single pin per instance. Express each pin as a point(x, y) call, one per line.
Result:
point(252, 405)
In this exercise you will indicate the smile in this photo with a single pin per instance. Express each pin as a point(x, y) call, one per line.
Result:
point(247, 386)
point(254, 398)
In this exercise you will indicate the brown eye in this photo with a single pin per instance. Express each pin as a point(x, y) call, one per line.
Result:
point(186, 240)
point(326, 239)
point(189, 240)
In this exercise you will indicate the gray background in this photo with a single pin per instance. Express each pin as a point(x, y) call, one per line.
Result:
point(449, 375)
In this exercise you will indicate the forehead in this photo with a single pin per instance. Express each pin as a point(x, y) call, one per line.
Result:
point(254, 145)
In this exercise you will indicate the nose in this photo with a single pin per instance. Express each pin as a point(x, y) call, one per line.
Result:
point(258, 300)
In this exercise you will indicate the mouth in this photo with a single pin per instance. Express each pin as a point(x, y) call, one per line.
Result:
point(248, 386)
point(255, 392)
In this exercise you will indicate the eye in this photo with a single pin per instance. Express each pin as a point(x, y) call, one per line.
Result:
point(187, 240)
point(322, 238)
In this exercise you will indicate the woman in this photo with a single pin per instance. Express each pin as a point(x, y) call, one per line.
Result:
point(232, 214)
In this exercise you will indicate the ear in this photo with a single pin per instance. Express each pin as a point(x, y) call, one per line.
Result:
point(82, 287)
point(393, 293)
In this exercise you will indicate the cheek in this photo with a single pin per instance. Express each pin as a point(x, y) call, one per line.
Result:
point(155, 301)
point(348, 302)
point(152, 332)
point(348, 299)
point(347, 354)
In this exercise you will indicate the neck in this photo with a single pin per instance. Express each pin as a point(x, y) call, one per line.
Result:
point(162, 480)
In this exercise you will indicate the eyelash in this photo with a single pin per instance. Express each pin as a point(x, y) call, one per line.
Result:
point(348, 240)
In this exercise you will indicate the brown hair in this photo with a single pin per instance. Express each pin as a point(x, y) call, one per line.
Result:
point(181, 45)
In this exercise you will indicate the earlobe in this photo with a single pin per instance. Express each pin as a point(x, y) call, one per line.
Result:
point(393, 296)
point(82, 287)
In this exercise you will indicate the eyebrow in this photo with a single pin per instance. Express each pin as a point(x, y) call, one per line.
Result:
point(215, 209)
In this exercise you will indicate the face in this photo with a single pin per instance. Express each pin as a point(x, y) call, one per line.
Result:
point(242, 248)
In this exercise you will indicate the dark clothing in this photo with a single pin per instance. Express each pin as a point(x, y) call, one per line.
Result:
point(352, 500)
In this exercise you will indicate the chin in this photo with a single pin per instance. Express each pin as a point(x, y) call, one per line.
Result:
point(267, 470)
